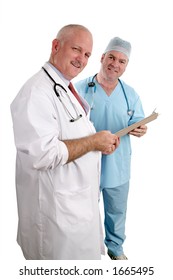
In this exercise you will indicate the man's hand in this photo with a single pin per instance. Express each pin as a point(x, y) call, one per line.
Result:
point(106, 142)
point(103, 141)
point(140, 131)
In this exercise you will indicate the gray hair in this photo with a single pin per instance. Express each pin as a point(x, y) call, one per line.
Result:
point(69, 29)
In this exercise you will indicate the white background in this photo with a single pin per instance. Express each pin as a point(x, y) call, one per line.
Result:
point(27, 30)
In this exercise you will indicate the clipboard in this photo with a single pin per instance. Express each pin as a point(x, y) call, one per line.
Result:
point(129, 128)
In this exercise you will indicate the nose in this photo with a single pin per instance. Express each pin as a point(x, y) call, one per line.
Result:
point(115, 63)
point(82, 60)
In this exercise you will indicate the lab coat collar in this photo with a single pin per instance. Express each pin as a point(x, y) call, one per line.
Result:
point(56, 75)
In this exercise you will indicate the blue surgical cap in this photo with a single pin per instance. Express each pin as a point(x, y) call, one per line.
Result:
point(119, 45)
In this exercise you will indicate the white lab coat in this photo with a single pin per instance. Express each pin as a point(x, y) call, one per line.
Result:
point(57, 202)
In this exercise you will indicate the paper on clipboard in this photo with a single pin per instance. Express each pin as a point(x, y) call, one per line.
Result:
point(129, 128)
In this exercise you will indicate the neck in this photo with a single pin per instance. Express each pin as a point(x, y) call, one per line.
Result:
point(107, 85)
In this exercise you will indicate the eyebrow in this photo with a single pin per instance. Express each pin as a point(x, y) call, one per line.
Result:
point(122, 59)
point(81, 49)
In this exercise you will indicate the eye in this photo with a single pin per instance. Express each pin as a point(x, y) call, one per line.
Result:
point(88, 55)
point(111, 57)
point(122, 61)
point(75, 49)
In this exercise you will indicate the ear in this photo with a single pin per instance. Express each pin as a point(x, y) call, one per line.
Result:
point(102, 57)
point(55, 45)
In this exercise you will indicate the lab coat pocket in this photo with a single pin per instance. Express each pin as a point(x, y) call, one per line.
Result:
point(74, 208)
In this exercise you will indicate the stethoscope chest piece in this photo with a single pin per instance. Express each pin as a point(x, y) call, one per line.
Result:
point(130, 112)
point(91, 84)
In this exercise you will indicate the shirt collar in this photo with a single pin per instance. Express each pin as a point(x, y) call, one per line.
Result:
point(59, 74)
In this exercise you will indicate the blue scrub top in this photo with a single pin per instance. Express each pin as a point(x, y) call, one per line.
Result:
point(110, 113)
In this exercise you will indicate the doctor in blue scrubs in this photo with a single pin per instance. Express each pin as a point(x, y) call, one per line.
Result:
point(114, 105)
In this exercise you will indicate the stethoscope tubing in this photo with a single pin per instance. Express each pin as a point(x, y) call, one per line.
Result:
point(55, 85)
point(92, 84)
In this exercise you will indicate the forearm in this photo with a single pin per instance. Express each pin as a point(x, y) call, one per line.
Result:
point(79, 147)
point(102, 141)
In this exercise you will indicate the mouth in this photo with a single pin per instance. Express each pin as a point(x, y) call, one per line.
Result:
point(112, 69)
point(76, 64)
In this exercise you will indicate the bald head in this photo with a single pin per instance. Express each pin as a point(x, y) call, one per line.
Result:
point(70, 29)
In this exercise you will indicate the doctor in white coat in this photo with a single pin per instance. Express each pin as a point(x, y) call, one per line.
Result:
point(58, 157)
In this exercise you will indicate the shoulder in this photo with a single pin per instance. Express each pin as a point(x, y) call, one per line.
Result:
point(129, 90)
point(126, 86)
point(82, 85)
point(35, 87)
point(84, 82)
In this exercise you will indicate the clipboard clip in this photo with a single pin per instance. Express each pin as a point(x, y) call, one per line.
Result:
point(154, 111)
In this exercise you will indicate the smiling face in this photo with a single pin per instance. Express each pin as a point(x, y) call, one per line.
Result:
point(70, 52)
point(113, 65)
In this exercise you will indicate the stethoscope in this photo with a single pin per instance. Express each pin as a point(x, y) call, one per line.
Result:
point(72, 119)
point(92, 84)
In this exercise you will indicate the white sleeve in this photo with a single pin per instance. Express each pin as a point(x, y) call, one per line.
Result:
point(36, 129)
